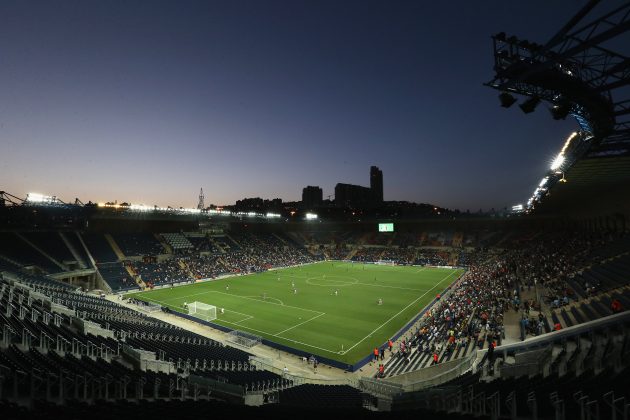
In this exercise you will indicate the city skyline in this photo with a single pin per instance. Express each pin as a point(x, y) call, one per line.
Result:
point(147, 101)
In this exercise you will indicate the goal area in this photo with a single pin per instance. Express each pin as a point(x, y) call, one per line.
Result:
point(202, 311)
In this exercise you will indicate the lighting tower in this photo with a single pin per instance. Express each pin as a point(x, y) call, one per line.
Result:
point(201, 204)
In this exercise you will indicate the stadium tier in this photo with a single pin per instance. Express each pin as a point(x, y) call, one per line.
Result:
point(512, 300)
point(100, 249)
point(134, 244)
point(356, 301)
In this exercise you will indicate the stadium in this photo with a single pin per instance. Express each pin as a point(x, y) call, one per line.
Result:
point(355, 306)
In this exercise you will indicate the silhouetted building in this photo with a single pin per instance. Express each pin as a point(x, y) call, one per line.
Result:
point(312, 197)
point(376, 183)
point(257, 204)
point(348, 195)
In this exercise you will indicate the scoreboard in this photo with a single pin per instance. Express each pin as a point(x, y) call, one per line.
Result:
point(385, 227)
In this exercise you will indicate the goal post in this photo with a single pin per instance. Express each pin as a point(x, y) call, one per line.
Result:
point(202, 311)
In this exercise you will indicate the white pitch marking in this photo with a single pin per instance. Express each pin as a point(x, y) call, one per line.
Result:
point(401, 311)
point(245, 297)
point(301, 323)
point(283, 338)
point(393, 287)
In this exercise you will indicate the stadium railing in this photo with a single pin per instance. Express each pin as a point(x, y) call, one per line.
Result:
point(380, 388)
point(267, 364)
point(420, 379)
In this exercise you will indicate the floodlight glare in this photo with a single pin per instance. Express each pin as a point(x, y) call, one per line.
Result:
point(36, 198)
point(543, 182)
point(557, 162)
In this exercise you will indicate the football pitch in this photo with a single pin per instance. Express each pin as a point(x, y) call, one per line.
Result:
point(328, 309)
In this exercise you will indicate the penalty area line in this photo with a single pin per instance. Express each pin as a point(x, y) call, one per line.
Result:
point(301, 323)
point(262, 332)
point(283, 338)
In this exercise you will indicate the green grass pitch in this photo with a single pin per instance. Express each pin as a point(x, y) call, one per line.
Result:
point(345, 326)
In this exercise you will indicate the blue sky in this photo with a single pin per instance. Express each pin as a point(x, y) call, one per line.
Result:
point(147, 101)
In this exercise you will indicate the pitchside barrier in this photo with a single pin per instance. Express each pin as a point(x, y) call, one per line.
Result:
point(325, 360)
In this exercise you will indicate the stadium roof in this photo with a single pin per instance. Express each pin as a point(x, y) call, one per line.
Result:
point(591, 182)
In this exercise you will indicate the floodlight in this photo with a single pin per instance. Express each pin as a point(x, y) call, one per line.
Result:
point(36, 198)
point(543, 182)
point(506, 99)
point(560, 111)
point(557, 162)
point(530, 104)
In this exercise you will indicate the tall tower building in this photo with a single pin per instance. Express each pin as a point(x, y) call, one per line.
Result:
point(376, 183)
point(201, 205)
point(312, 197)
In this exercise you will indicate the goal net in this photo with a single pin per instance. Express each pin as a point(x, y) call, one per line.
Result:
point(202, 311)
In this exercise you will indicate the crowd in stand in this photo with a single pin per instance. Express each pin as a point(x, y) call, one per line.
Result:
point(409, 256)
point(202, 244)
point(166, 271)
point(249, 260)
point(399, 255)
point(337, 253)
point(551, 261)
point(205, 266)
point(473, 311)
point(475, 306)
point(254, 254)
point(367, 254)
point(432, 257)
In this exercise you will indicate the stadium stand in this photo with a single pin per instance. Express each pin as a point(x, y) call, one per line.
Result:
point(321, 396)
point(201, 243)
point(177, 241)
point(462, 324)
point(99, 247)
point(138, 244)
point(50, 243)
point(116, 275)
point(16, 249)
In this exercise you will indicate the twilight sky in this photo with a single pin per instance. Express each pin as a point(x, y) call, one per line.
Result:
point(147, 101)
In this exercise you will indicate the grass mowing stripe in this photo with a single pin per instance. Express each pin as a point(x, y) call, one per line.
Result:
point(243, 297)
point(393, 287)
point(401, 311)
point(283, 338)
point(301, 323)
point(351, 312)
